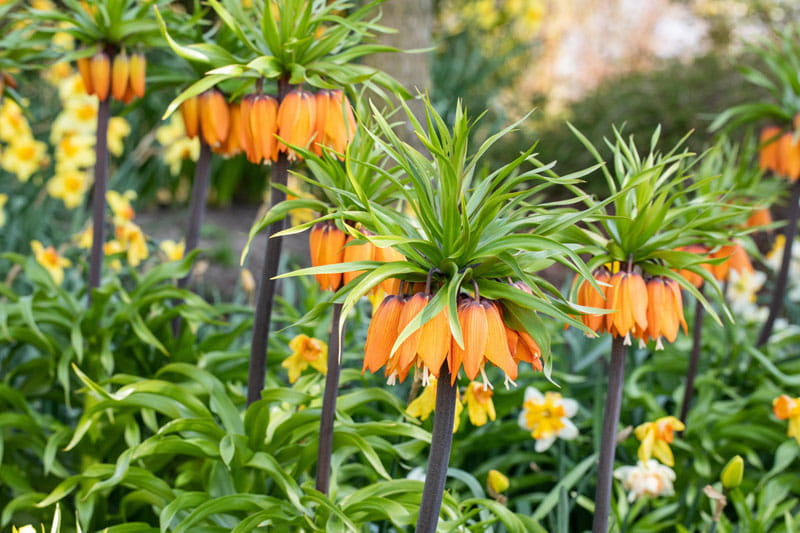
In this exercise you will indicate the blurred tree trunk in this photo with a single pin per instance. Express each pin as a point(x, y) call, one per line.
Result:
point(413, 20)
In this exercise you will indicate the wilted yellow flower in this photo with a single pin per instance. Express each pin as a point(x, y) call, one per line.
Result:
point(121, 207)
point(50, 259)
point(423, 405)
point(173, 250)
point(133, 241)
point(75, 151)
point(13, 124)
point(84, 238)
point(479, 403)
point(497, 482)
point(647, 479)
point(656, 437)
point(118, 129)
point(547, 417)
point(248, 281)
point(306, 351)
point(3, 201)
point(788, 408)
point(23, 157)
point(69, 185)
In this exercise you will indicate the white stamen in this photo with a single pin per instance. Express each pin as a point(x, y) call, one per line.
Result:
point(392, 379)
point(426, 376)
point(627, 341)
point(486, 383)
point(642, 344)
point(659, 345)
point(507, 381)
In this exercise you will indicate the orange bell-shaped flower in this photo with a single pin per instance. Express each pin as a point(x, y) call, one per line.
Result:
point(215, 118)
point(768, 153)
point(335, 124)
point(627, 296)
point(100, 68)
point(85, 69)
point(357, 252)
point(120, 71)
point(138, 75)
point(382, 333)
point(190, 113)
point(589, 297)
point(326, 242)
point(297, 119)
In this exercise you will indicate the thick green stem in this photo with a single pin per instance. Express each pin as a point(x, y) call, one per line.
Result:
point(266, 287)
point(608, 442)
point(99, 196)
point(329, 403)
point(694, 359)
point(441, 442)
point(779, 292)
point(197, 209)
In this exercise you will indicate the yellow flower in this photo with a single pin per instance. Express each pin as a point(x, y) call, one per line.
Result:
point(58, 72)
point(72, 91)
point(423, 405)
point(479, 403)
point(306, 351)
point(75, 151)
point(70, 186)
point(13, 124)
point(649, 479)
point(656, 437)
point(50, 260)
point(171, 131)
point(43, 5)
point(118, 129)
point(788, 408)
point(23, 157)
point(547, 417)
point(181, 149)
point(24, 529)
point(3, 200)
point(121, 206)
point(173, 250)
point(133, 241)
point(78, 116)
point(113, 247)
point(497, 482)
point(84, 238)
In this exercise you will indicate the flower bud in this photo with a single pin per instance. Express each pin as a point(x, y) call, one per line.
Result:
point(497, 482)
point(732, 473)
point(120, 72)
point(138, 75)
point(101, 75)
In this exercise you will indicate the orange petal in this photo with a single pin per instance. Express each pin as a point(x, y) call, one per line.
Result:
point(85, 68)
point(101, 75)
point(382, 333)
point(407, 352)
point(497, 342)
point(191, 116)
point(434, 342)
point(472, 318)
point(138, 77)
point(120, 71)
point(357, 252)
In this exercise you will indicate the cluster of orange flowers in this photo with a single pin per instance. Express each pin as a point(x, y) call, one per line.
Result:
point(487, 338)
point(737, 259)
point(645, 310)
point(258, 124)
point(780, 151)
point(123, 78)
point(330, 246)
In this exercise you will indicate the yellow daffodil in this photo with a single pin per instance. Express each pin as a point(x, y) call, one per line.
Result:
point(120, 204)
point(655, 438)
point(306, 351)
point(71, 88)
point(79, 116)
point(177, 145)
point(24, 529)
point(75, 151)
point(23, 157)
point(171, 131)
point(423, 405)
point(480, 407)
point(50, 259)
point(173, 250)
point(113, 247)
point(118, 129)
point(547, 417)
point(133, 241)
point(497, 482)
point(84, 238)
point(646, 479)
point(70, 186)
point(3, 201)
point(788, 408)
point(13, 124)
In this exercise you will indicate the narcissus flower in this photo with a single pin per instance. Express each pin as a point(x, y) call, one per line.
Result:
point(655, 438)
point(178, 145)
point(326, 243)
point(480, 406)
point(306, 351)
point(13, 124)
point(134, 242)
point(741, 292)
point(423, 405)
point(23, 157)
point(120, 204)
point(50, 259)
point(647, 479)
point(70, 186)
point(75, 151)
point(118, 129)
point(787, 408)
point(547, 417)
point(25, 529)
point(173, 250)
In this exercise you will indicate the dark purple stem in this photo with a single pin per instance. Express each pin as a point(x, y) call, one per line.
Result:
point(99, 196)
point(329, 403)
point(691, 372)
point(197, 209)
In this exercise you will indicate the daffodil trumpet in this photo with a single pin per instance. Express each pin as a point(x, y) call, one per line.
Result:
point(328, 414)
point(779, 290)
point(441, 443)
point(99, 196)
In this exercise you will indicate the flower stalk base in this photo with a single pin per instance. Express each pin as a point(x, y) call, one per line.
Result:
point(329, 403)
point(441, 442)
point(608, 442)
point(99, 196)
